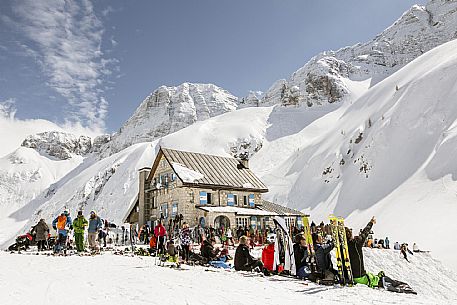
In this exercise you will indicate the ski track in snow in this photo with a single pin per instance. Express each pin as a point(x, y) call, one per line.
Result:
point(111, 279)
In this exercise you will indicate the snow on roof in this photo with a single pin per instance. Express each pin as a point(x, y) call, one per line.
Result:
point(186, 174)
point(238, 211)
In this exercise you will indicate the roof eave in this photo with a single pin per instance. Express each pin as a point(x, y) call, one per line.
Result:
point(216, 186)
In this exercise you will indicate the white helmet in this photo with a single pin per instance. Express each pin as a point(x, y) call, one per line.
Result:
point(271, 238)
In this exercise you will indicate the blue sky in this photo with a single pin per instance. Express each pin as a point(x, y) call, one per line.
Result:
point(94, 62)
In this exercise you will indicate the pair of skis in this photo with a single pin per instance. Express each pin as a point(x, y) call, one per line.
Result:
point(342, 253)
point(309, 243)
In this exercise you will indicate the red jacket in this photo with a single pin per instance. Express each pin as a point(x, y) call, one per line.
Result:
point(160, 230)
point(268, 256)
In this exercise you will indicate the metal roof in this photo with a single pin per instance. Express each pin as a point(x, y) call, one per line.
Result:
point(217, 171)
point(279, 209)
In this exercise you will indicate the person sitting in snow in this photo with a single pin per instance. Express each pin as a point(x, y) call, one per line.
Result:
point(243, 259)
point(301, 256)
point(325, 271)
point(355, 245)
point(172, 252)
point(208, 251)
point(396, 246)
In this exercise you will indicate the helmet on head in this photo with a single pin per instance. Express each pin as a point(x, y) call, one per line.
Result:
point(271, 238)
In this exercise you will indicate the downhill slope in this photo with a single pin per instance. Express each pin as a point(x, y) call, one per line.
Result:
point(389, 153)
point(111, 279)
point(24, 174)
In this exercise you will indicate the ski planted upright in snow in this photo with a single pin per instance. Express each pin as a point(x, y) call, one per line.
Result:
point(336, 238)
point(309, 244)
point(344, 247)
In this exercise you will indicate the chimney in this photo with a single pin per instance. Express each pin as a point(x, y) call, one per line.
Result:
point(244, 163)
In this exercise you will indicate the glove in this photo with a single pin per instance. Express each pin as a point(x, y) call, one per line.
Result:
point(55, 228)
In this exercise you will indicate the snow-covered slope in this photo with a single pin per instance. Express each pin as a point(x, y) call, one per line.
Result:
point(390, 154)
point(24, 174)
point(322, 79)
point(169, 109)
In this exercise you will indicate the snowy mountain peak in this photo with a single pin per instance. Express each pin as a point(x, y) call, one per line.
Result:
point(327, 77)
point(58, 144)
point(169, 109)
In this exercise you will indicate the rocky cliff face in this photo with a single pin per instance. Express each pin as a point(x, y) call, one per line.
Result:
point(169, 109)
point(60, 145)
point(322, 79)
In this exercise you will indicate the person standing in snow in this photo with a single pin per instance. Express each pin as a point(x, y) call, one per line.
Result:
point(79, 226)
point(160, 232)
point(95, 225)
point(186, 241)
point(62, 224)
point(268, 253)
point(404, 251)
point(41, 231)
point(229, 237)
point(387, 243)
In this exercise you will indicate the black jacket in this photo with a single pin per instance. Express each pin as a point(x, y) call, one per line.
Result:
point(300, 254)
point(355, 251)
point(242, 258)
point(208, 251)
point(323, 257)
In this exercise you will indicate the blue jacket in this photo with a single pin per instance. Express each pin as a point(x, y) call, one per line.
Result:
point(67, 225)
point(95, 224)
point(323, 258)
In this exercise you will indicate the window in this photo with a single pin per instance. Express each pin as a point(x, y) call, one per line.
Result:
point(164, 210)
point(245, 200)
point(230, 200)
point(174, 209)
point(208, 198)
point(153, 201)
point(203, 198)
point(251, 200)
point(235, 199)
point(173, 176)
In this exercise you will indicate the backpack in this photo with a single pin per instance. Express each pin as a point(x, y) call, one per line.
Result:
point(61, 222)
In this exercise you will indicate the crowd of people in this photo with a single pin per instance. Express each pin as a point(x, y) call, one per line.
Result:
point(181, 240)
point(97, 231)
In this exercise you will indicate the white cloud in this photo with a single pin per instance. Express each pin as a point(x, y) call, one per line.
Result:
point(13, 131)
point(8, 109)
point(65, 38)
